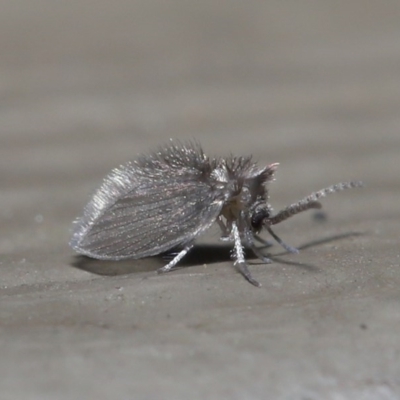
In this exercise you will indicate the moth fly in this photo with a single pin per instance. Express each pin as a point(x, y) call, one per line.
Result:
point(166, 199)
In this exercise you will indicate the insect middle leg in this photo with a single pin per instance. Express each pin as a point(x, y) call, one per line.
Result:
point(226, 235)
point(240, 261)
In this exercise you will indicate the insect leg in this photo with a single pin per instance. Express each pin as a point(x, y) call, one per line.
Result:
point(287, 247)
point(249, 237)
point(262, 240)
point(176, 259)
point(225, 237)
point(240, 262)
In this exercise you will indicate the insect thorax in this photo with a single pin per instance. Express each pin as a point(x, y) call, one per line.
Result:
point(244, 194)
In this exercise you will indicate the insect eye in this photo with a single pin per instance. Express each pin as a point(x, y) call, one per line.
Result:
point(258, 218)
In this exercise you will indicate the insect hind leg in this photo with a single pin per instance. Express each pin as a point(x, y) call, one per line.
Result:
point(175, 260)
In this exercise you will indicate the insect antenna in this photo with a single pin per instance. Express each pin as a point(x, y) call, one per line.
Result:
point(308, 202)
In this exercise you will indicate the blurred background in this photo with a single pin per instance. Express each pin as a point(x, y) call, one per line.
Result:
point(87, 85)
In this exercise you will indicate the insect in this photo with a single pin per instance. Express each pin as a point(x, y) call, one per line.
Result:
point(166, 199)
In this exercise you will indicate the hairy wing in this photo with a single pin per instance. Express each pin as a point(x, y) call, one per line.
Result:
point(155, 216)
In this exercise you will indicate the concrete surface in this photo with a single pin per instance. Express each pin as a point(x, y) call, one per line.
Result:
point(314, 85)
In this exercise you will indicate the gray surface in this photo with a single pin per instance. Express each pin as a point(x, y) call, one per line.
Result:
point(315, 86)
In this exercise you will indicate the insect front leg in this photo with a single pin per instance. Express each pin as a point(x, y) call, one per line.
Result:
point(262, 240)
point(249, 238)
point(287, 247)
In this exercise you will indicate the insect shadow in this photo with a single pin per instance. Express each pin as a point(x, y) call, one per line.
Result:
point(200, 254)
